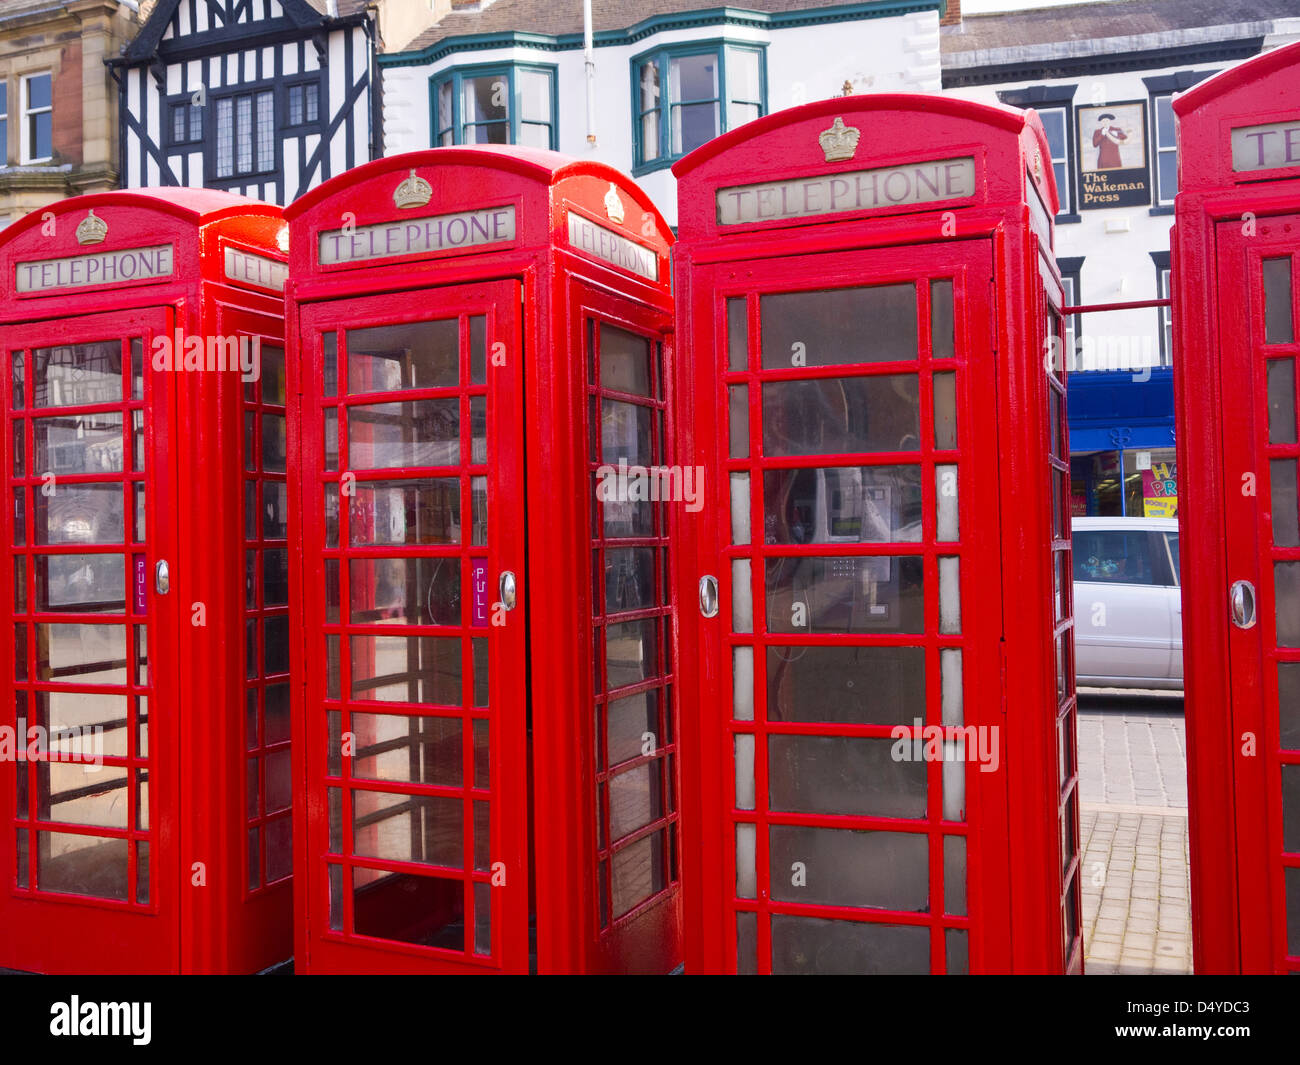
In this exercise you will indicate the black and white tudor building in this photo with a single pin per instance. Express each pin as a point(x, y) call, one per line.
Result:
point(263, 97)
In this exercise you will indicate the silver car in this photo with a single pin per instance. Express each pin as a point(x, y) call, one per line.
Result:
point(1128, 612)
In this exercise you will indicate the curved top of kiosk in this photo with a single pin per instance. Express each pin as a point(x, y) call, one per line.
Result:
point(905, 152)
point(1243, 124)
point(493, 197)
point(98, 246)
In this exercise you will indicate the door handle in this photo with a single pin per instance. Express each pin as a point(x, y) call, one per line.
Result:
point(1241, 604)
point(507, 590)
point(709, 596)
point(162, 578)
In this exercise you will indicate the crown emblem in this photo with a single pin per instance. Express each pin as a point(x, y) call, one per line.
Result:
point(1038, 164)
point(413, 192)
point(282, 238)
point(91, 230)
point(840, 141)
point(614, 205)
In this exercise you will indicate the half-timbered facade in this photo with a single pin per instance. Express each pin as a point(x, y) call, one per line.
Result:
point(263, 97)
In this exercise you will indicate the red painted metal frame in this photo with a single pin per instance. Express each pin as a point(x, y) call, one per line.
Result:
point(547, 671)
point(201, 918)
point(1223, 221)
point(1015, 846)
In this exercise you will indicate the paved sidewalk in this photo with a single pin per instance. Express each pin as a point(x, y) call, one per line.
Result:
point(1133, 834)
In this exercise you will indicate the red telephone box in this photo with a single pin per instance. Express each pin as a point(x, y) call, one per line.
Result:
point(1237, 282)
point(146, 791)
point(489, 779)
point(883, 777)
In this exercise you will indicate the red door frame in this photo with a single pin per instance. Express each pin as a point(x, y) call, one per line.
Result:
point(505, 550)
point(1224, 215)
point(1011, 208)
point(77, 933)
point(969, 264)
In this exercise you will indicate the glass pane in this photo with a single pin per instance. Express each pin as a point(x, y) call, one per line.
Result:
point(954, 875)
point(424, 511)
point(743, 745)
point(631, 652)
point(1113, 557)
point(746, 868)
point(624, 361)
point(89, 584)
point(637, 873)
point(1278, 325)
point(949, 595)
point(412, 669)
point(843, 775)
point(1286, 593)
point(70, 719)
point(80, 514)
point(743, 77)
point(625, 433)
point(77, 374)
point(1288, 701)
point(405, 591)
point(404, 907)
point(740, 508)
point(423, 432)
point(838, 327)
point(742, 673)
point(837, 415)
point(635, 799)
point(737, 334)
point(951, 684)
point(852, 504)
point(849, 685)
point(833, 867)
point(631, 723)
point(408, 828)
point(880, 593)
point(485, 98)
point(742, 596)
point(945, 411)
point(79, 443)
point(629, 579)
point(388, 358)
point(738, 399)
point(82, 865)
point(410, 750)
point(945, 493)
point(692, 126)
point(941, 320)
point(1282, 486)
point(84, 654)
point(830, 947)
point(1281, 401)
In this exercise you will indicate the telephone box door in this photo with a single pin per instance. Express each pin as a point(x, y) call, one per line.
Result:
point(860, 614)
point(414, 601)
point(93, 808)
point(1261, 273)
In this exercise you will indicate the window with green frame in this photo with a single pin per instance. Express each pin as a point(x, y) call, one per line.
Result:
point(511, 104)
point(686, 95)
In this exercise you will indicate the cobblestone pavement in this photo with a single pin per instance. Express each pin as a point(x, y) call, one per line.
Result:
point(1133, 833)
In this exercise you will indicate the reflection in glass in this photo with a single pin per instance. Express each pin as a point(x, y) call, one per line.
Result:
point(941, 319)
point(88, 584)
point(404, 591)
point(424, 432)
point(389, 358)
point(80, 514)
point(631, 650)
point(1286, 595)
point(84, 654)
point(841, 414)
point(738, 417)
point(831, 947)
point(67, 792)
point(423, 511)
point(850, 504)
point(78, 443)
point(77, 374)
point(408, 749)
point(412, 669)
point(629, 579)
point(737, 334)
point(624, 361)
point(408, 828)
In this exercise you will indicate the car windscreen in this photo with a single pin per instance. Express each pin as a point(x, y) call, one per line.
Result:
point(1113, 556)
